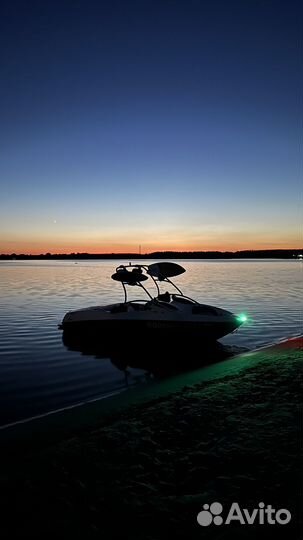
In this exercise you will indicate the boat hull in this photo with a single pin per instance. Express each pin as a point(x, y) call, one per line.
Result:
point(151, 329)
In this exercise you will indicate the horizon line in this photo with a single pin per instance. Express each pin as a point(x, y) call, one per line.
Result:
point(149, 254)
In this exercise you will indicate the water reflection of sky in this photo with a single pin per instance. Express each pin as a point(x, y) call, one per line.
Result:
point(37, 370)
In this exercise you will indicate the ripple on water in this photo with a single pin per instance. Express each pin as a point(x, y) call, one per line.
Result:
point(38, 373)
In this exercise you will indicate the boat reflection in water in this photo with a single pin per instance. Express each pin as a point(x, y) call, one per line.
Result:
point(158, 358)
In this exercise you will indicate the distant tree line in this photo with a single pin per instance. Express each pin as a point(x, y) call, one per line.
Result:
point(245, 254)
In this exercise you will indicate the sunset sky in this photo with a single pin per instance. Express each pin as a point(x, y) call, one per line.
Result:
point(173, 124)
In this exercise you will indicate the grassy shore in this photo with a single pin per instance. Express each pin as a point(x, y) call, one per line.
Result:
point(146, 471)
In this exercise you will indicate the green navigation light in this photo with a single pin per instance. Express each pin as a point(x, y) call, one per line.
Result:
point(242, 318)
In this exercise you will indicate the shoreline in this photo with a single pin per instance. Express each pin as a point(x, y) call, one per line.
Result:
point(274, 253)
point(71, 416)
point(233, 433)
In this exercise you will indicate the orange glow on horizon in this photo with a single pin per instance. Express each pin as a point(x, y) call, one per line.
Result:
point(116, 248)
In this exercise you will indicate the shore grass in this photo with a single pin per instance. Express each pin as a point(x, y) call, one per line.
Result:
point(145, 472)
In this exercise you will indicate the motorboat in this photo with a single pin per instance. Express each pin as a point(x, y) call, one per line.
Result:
point(166, 313)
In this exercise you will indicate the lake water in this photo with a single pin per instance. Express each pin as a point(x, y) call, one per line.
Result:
point(38, 373)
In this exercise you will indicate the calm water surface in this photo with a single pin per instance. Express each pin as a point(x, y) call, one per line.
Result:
point(38, 373)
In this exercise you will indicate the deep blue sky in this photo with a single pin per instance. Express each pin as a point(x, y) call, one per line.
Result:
point(173, 124)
